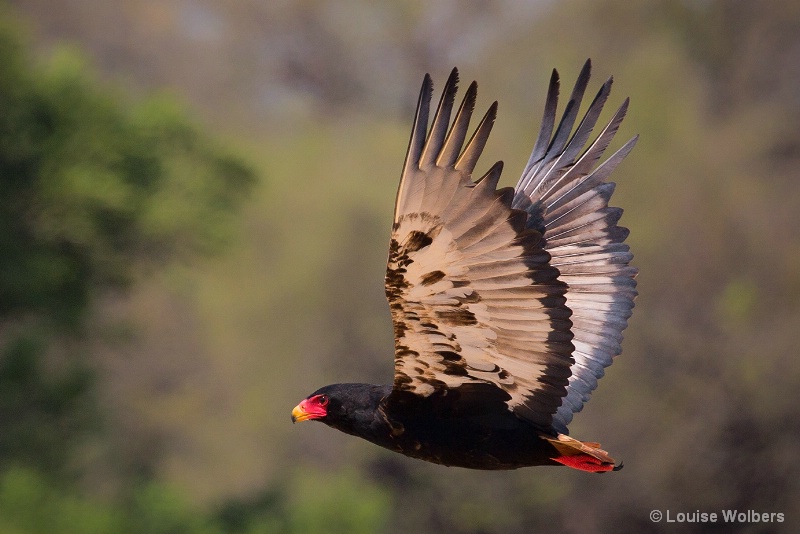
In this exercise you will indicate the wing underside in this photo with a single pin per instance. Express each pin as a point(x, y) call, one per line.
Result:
point(566, 195)
point(528, 289)
point(472, 296)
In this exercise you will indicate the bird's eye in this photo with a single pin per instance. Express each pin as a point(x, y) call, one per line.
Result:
point(323, 400)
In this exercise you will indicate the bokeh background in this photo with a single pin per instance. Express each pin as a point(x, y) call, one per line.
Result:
point(195, 202)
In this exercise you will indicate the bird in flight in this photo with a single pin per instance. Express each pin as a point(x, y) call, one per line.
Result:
point(507, 304)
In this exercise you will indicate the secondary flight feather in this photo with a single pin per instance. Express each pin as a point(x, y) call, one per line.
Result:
point(507, 304)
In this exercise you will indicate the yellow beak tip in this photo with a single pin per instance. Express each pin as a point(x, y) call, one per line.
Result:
point(299, 414)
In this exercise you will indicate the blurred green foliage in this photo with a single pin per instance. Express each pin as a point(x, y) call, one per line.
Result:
point(43, 415)
point(316, 504)
point(194, 408)
point(95, 191)
point(94, 187)
point(33, 504)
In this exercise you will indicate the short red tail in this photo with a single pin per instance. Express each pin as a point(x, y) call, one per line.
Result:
point(584, 462)
point(585, 456)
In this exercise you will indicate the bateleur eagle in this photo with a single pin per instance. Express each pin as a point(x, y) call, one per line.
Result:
point(507, 304)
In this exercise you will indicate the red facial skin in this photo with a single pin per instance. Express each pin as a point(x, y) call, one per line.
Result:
point(311, 408)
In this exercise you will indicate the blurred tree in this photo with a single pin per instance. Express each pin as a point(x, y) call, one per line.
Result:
point(312, 501)
point(30, 504)
point(94, 191)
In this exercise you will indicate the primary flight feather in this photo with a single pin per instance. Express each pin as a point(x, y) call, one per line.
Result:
point(507, 304)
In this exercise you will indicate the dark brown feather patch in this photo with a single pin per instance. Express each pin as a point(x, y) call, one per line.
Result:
point(432, 277)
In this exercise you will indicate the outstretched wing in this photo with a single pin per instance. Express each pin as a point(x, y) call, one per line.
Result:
point(473, 298)
point(566, 195)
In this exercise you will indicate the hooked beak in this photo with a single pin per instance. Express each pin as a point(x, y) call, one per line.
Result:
point(300, 413)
